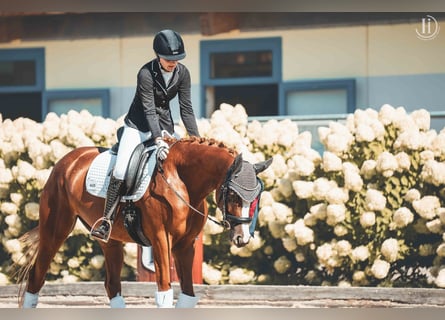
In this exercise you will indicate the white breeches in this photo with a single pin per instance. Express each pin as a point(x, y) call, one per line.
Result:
point(130, 139)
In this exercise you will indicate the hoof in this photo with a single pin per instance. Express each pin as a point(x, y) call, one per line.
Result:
point(186, 301)
point(117, 302)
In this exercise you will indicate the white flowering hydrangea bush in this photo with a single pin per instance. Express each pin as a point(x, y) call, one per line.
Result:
point(28, 151)
point(368, 211)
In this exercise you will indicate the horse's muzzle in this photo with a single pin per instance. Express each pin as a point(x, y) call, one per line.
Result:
point(239, 236)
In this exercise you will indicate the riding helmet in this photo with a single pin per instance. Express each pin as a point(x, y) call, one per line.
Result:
point(168, 45)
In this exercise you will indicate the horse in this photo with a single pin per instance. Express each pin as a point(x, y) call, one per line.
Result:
point(173, 213)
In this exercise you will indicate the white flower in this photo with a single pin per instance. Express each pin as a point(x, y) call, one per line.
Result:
point(367, 219)
point(359, 277)
point(73, 263)
point(433, 172)
point(402, 217)
point(285, 187)
point(265, 215)
point(321, 187)
point(368, 169)
point(360, 253)
point(331, 162)
point(303, 234)
point(97, 261)
point(390, 249)
point(344, 248)
point(241, 276)
point(410, 139)
point(403, 161)
point(211, 228)
point(6, 175)
point(441, 250)
point(434, 226)
point(16, 198)
point(32, 210)
point(302, 166)
point(375, 200)
point(337, 196)
point(276, 229)
point(303, 189)
point(13, 245)
point(210, 274)
point(282, 264)
point(23, 171)
point(387, 114)
point(130, 254)
point(335, 213)
point(386, 164)
point(353, 180)
point(340, 230)
point(380, 269)
point(440, 279)
point(364, 133)
point(422, 119)
point(325, 252)
point(412, 194)
point(282, 213)
point(319, 210)
point(13, 220)
point(9, 208)
point(290, 244)
point(426, 206)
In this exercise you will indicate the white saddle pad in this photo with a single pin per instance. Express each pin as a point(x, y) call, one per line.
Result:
point(99, 173)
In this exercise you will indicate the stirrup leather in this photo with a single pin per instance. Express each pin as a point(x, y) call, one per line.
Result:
point(95, 234)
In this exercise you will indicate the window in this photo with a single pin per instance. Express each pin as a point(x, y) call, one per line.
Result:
point(96, 101)
point(22, 81)
point(244, 71)
point(319, 97)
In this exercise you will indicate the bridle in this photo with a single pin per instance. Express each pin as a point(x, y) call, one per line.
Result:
point(228, 220)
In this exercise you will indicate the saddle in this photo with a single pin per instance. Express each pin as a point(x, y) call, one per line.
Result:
point(137, 179)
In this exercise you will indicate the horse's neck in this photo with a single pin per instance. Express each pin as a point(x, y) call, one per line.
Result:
point(203, 167)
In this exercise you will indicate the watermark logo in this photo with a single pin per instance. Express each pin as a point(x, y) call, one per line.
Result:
point(429, 28)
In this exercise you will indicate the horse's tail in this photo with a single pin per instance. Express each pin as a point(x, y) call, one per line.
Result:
point(21, 268)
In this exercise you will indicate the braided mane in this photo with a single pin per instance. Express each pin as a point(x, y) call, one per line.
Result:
point(203, 141)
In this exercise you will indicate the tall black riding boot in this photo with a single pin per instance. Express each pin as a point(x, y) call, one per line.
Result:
point(112, 200)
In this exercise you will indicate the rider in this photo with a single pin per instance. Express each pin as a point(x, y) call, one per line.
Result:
point(158, 82)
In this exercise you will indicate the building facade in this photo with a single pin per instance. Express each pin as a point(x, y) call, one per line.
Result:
point(274, 64)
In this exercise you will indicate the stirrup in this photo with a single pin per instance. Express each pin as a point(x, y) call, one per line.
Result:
point(95, 234)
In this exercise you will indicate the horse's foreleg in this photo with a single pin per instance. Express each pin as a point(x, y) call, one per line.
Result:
point(114, 258)
point(184, 256)
point(162, 252)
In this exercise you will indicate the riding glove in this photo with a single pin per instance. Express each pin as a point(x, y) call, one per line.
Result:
point(163, 149)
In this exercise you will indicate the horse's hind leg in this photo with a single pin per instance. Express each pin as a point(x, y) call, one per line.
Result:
point(114, 259)
point(54, 227)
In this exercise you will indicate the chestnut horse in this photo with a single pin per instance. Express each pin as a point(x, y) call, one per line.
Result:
point(173, 211)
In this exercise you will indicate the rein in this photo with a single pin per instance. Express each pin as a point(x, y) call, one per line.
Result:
point(225, 224)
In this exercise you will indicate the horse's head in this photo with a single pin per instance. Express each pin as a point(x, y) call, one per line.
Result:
point(238, 198)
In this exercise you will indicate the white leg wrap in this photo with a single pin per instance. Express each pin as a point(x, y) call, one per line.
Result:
point(30, 300)
point(186, 301)
point(117, 302)
point(164, 299)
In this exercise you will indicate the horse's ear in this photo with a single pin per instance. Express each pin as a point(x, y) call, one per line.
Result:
point(263, 165)
point(237, 163)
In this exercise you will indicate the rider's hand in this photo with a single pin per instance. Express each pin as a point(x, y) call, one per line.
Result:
point(163, 149)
